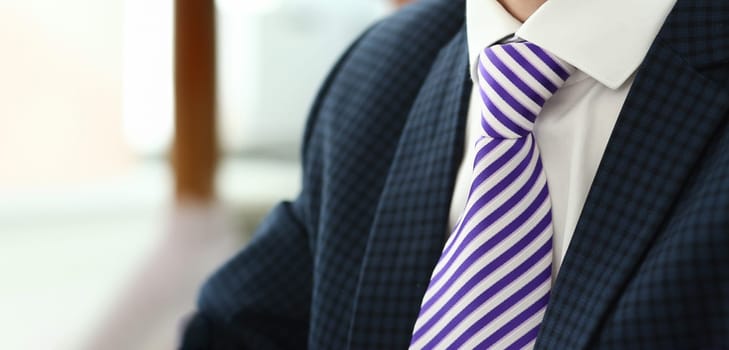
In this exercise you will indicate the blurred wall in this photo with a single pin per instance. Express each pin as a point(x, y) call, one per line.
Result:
point(85, 95)
point(272, 57)
point(60, 91)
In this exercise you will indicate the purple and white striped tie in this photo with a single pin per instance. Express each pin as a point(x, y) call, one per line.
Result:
point(491, 285)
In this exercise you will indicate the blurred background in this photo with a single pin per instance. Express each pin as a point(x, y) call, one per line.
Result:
point(140, 143)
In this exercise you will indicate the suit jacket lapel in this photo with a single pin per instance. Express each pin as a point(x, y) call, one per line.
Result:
point(411, 222)
point(668, 119)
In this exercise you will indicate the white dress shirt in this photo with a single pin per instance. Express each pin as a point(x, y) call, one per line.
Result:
point(606, 40)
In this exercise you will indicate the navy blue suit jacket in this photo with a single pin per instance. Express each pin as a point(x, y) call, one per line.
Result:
point(345, 265)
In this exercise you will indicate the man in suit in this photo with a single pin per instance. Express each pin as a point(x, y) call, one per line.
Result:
point(634, 147)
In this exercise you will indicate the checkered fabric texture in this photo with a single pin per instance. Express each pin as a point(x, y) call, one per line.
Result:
point(345, 265)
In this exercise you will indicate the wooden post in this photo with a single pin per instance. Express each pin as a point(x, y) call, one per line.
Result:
point(400, 3)
point(195, 146)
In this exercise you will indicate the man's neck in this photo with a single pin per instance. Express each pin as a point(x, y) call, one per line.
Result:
point(521, 9)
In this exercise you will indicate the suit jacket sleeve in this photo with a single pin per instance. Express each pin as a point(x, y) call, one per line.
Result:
point(260, 299)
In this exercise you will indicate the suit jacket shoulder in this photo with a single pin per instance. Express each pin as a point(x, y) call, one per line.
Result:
point(351, 140)
point(357, 119)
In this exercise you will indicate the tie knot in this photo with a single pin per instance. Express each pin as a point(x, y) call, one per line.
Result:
point(515, 80)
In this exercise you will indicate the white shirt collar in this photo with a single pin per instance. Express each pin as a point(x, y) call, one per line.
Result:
point(606, 39)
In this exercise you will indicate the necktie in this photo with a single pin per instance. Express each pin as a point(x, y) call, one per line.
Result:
point(490, 288)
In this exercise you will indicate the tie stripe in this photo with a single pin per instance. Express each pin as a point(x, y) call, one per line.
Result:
point(497, 69)
point(553, 64)
point(490, 288)
point(495, 90)
point(488, 214)
point(530, 65)
point(472, 210)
